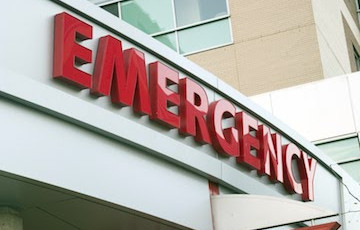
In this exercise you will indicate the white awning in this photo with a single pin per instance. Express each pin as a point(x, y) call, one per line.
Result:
point(238, 212)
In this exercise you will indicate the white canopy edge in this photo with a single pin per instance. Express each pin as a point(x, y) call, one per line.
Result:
point(240, 212)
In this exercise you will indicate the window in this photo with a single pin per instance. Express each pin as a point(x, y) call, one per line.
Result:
point(192, 11)
point(148, 16)
point(357, 59)
point(186, 26)
point(346, 153)
point(112, 8)
point(353, 169)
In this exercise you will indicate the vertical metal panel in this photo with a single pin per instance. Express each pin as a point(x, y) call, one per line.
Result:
point(317, 110)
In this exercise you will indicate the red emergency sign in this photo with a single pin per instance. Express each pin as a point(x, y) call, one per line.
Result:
point(122, 75)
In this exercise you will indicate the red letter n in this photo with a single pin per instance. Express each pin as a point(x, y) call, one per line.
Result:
point(270, 154)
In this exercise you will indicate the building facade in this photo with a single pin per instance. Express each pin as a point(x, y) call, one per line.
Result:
point(255, 46)
point(273, 45)
point(103, 127)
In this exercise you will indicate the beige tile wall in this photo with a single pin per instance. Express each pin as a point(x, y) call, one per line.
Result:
point(221, 62)
point(275, 46)
point(252, 19)
point(278, 61)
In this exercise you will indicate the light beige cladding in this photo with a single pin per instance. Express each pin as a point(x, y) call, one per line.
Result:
point(275, 46)
point(331, 36)
point(221, 62)
point(351, 45)
point(337, 28)
point(277, 61)
point(351, 5)
point(257, 18)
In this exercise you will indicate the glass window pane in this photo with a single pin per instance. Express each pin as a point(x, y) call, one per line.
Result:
point(191, 11)
point(96, 2)
point(342, 150)
point(204, 36)
point(167, 39)
point(353, 169)
point(148, 16)
point(112, 8)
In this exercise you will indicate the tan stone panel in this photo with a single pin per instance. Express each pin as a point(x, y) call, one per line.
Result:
point(256, 18)
point(278, 61)
point(351, 5)
point(221, 62)
point(351, 44)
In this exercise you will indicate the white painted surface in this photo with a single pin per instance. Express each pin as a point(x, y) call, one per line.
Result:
point(242, 212)
point(263, 100)
point(354, 89)
point(53, 151)
point(319, 110)
point(323, 108)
